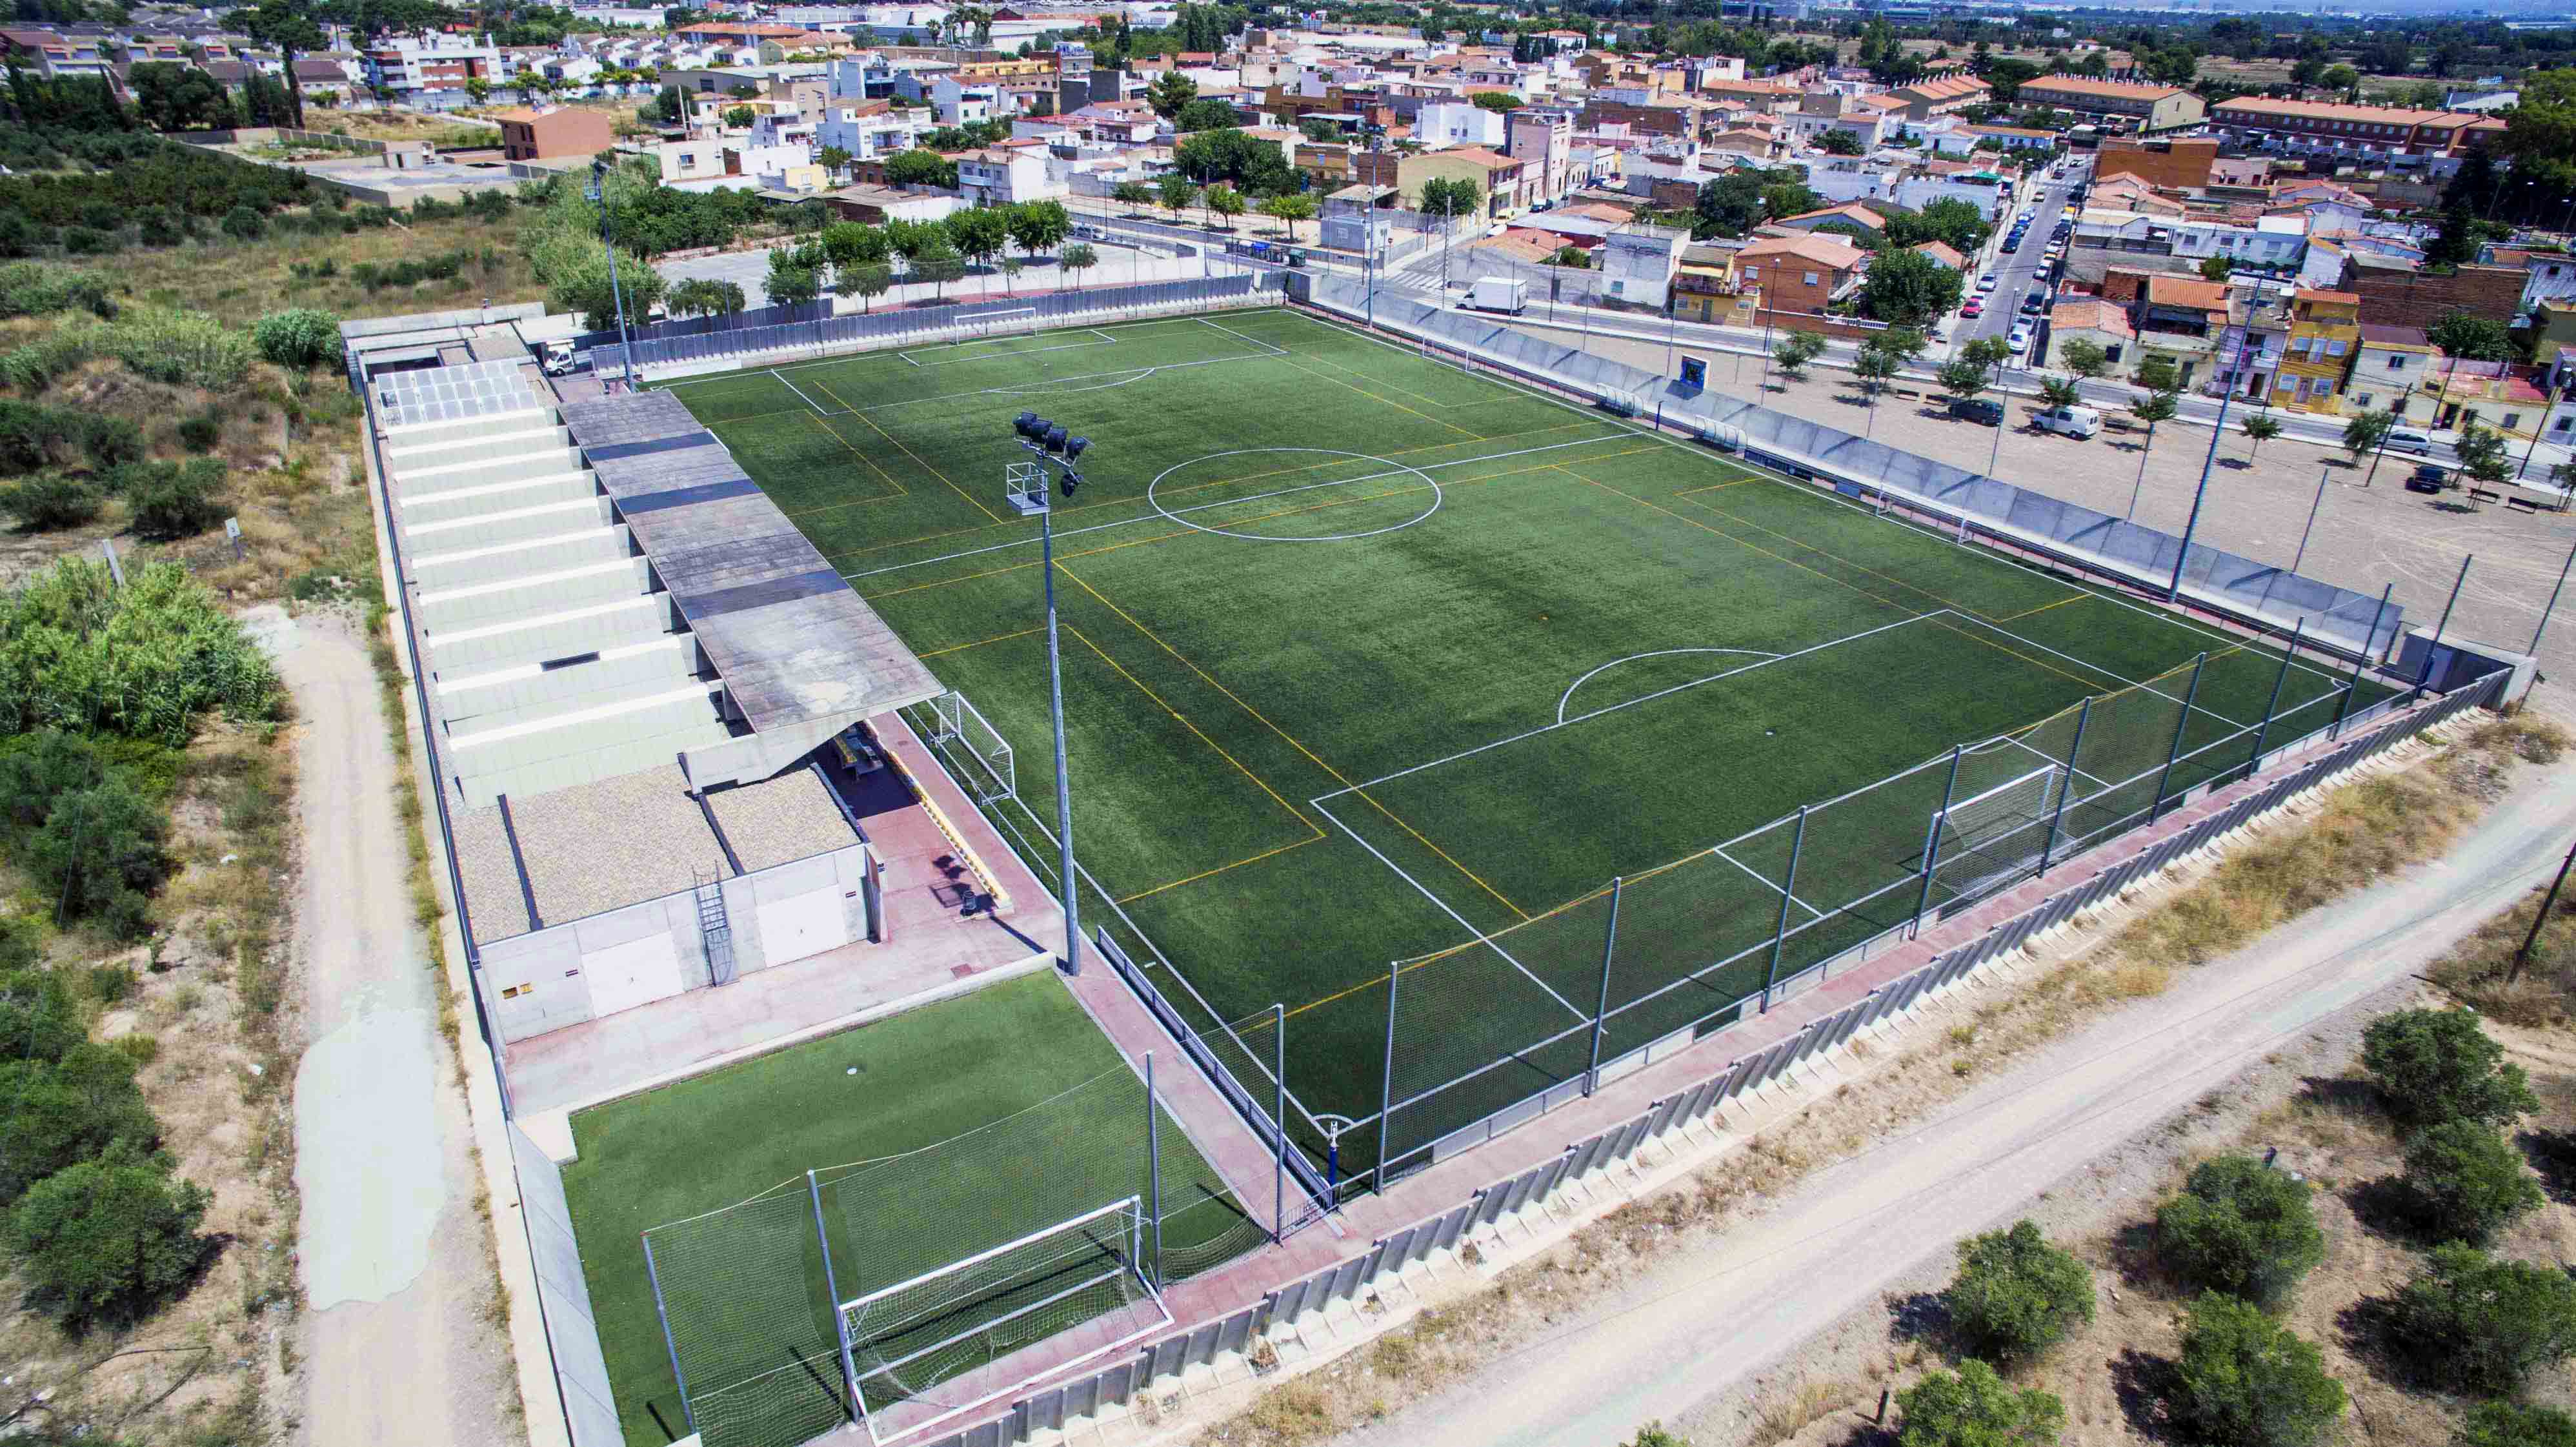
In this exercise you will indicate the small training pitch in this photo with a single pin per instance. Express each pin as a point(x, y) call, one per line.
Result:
point(1379, 673)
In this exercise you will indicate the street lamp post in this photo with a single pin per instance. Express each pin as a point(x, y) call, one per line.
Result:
point(2396, 415)
point(597, 194)
point(1046, 442)
point(2182, 555)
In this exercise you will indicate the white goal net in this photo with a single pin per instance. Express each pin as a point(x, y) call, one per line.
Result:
point(961, 733)
point(945, 1342)
point(1991, 838)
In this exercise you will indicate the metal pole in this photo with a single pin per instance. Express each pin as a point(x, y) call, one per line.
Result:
point(2301, 555)
point(1063, 786)
point(653, 1277)
point(1386, 1100)
point(2522, 956)
point(1279, 1121)
point(2263, 730)
point(2537, 427)
point(2352, 685)
point(840, 1323)
point(2182, 722)
point(2065, 790)
point(1601, 1008)
point(1932, 838)
point(1995, 454)
point(2396, 415)
point(1780, 931)
point(2552, 605)
point(2191, 525)
point(1762, 384)
point(2426, 672)
point(1154, 1166)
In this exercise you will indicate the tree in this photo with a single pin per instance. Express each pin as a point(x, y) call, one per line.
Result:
point(2509, 1424)
point(60, 1113)
point(2482, 452)
point(1037, 226)
point(1875, 369)
point(1977, 1408)
point(2465, 1182)
point(2364, 433)
point(1987, 352)
point(936, 261)
point(2245, 1381)
point(834, 160)
point(867, 280)
point(298, 338)
point(1206, 115)
point(2242, 1228)
point(1289, 209)
point(107, 1240)
point(1253, 165)
point(919, 167)
point(1839, 142)
point(1963, 378)
point(1450, 198)
point(1225, 201)
point(2061, 391)
point(848, 243)
point(2341, 78)
point(2486, 1325)
point(794, 276)
point(2082, 359)
point(1795, 350)
point(705, 296)
point(2156, 373)
point(1501, 101)
point(1170, 92)
point(1730, 206)
point(172, 500)
point(2217, 268)
point(1078, 257)
point(1131, 193)
point(1572, 258)
point(2260, 428)
point(2470, 337)
point(2015, 1295)
point(2438, 1065)
point(244, 223)
point(1909, 288)
point(173, 97)
point(289, 27)
point(1176, 194)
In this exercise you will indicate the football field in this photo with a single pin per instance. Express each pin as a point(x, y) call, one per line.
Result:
point(1378, 673)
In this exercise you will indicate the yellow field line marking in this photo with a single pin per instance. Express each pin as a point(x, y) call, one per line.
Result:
point(1293, 742)
point(1718, 486)
point(1424, 398)
point(1391, 402)
point(908, 452)
point(1197, 732)
point(980, 642)
point(835, 434)
point(1846, 562)
point(1220, 869)
point(2044, 607)
point(1732, 538)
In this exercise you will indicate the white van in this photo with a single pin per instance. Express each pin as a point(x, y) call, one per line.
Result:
point(2409, 439)
point(2076, 422)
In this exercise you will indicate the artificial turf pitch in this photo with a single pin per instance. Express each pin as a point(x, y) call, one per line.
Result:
point(1367, 657)
point(748, 1298)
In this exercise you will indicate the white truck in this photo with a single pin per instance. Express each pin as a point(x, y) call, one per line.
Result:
point(559, 359)
point(1497, 294)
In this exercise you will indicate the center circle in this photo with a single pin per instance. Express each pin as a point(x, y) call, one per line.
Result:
point(1392, 467)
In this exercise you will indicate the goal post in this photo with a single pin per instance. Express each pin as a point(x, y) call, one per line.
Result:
point(1993, 836)
point(960, 729)
point(919, 1348)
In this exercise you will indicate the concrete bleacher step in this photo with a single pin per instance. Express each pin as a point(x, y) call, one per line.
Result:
point(498, 499)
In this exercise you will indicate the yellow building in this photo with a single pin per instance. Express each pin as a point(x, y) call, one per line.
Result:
point(2325, 332)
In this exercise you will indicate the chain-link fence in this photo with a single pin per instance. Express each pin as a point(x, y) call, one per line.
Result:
point(750, 1296)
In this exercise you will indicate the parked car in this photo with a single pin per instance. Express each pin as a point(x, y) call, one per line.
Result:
point(2077, 422)
point(1986, 282)
point(2409, 439)
point(2035, 303)
point(2019, 341)
point(1973, 307)
point(1983, 410)
point(2428, 477)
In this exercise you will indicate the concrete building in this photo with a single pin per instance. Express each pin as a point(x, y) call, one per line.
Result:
point(534, 135)
point(2101, 323)
point(1455, 123)
point(2271, 242)
point(2140, 108)
point(2179, 164)
point(2389, 366)
point(1544, 138)
point(53, 55)
point(1637, 263)
point(2398, 135)
point(1006, 174)
point(1799, 273)
point(2325, 332)
point(413, 66)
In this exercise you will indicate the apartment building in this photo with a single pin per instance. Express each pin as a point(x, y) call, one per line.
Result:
point(2389, 366)
point(2325, 331)
point(2180, 164)
point(1545, 139)
point(1638, 262)
point(1799, 273)
point(2396, 134)
point(2128, 106)
point(1925, 100)
point(535, 135)
point(411, 66)
point(54, 56)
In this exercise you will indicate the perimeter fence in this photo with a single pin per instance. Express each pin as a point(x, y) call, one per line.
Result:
point(749, 1296)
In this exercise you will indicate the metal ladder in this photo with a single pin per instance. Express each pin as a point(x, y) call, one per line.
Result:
point(715, 929)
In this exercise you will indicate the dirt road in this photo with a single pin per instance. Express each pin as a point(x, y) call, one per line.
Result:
point(392, 1255)
point(1715, 1318)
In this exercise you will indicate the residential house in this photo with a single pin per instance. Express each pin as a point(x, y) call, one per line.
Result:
point(1457, 124)
point(869, 129)
point(1961, 139)
point(1705, 289)
point(1852, 178)
point(2271, 242)
point(2506, 396)
point(2178, 164)
point(1925, 100)
point(1637, 263)
point(2552, 274)
point(2182, 320)
point(1941, 252)
point(54, 55)
point(1851, 216)
point(2389, 366)
point(2093, 320)
point(2143, 108)
point(2396, 135)
point(1007, 174)
point(2250, 349)
point(408, 67)
point(2325, 332)
point(1544, 137)
point(1799, 273)
point(544, 135)
point(1504, 180)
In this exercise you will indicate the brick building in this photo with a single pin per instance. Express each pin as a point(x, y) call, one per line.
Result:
point(2401, 296)
point(2179, 165)
point(531, 135)
point(2132, 107)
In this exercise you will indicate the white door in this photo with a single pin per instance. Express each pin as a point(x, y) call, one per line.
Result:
point(635, 973)
point(803, 924)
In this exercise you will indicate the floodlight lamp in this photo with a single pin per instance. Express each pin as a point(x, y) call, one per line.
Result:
point(1055, 439)
point(1070, 481)
point(1075, 446)
point(1028, 425)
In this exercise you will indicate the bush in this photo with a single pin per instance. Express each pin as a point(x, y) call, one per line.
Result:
point(50, 501)
point(2437, 1065)
point(2246, 1381)
point(298, 338)
point(2506, 1424)
point(35, 770)
point(99, 854)
point(39, 1020)
point(142, 661)
point(2016, 1296)
point(244, 224)
point(1976, 1409)
point(110, 441)
point(2242, 1228)
point(88, 241)
point(2465, 1183)
point(60, 1113)
point(201, 433)
point(176, 499)
point(108, 1240)
point(2475, 1323)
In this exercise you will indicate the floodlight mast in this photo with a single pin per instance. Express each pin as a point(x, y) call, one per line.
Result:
point(1046, 442)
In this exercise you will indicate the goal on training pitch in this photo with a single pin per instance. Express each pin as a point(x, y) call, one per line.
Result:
point(1990, 838)
point(918, 1349)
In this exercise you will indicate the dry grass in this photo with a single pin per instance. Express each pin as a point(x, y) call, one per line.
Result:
point(238, 280)
point(2348, 838)
point(396, 126)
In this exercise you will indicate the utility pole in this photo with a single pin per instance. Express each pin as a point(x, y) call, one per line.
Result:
point(2522, 957)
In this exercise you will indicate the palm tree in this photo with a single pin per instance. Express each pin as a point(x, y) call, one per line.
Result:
point(2157, 407)
point(2260, 428)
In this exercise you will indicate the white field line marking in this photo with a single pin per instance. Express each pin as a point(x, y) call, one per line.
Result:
point(1275, 349)
point(848, 357)
point(1767, 882)
point(2107, 673)
point(801, 397)
point(1481, 937)
point(1633, 657)
point(906, 359)
point(1229, 502)
point(1631, 703)
point(1105, 341)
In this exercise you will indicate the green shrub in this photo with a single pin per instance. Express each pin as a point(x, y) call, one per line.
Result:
point(298, 338)
point(108, 1240)
point(201, 433)
point(51, 500)
point(244, 224)
point(28, 289)
point(176, 499)
point(2507, 1424)
point(2472, 1322)
point(99, 854)
point(55, 1114)
point(89, 241)
point(2242, 1228)
point(2438, 1065)
point(184, 349)
point(22, 943)
point(111, 441)
point(2016, 1296)
point(2465, 1182)
point(142, 661)
point(2246, 1381)
point(39, 1020)
point(110, 984)
point(1976, 1408)
point(35, 770)
point(138, 1047)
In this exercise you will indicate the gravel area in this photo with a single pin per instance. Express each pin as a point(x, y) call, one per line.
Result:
point(776, 820)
